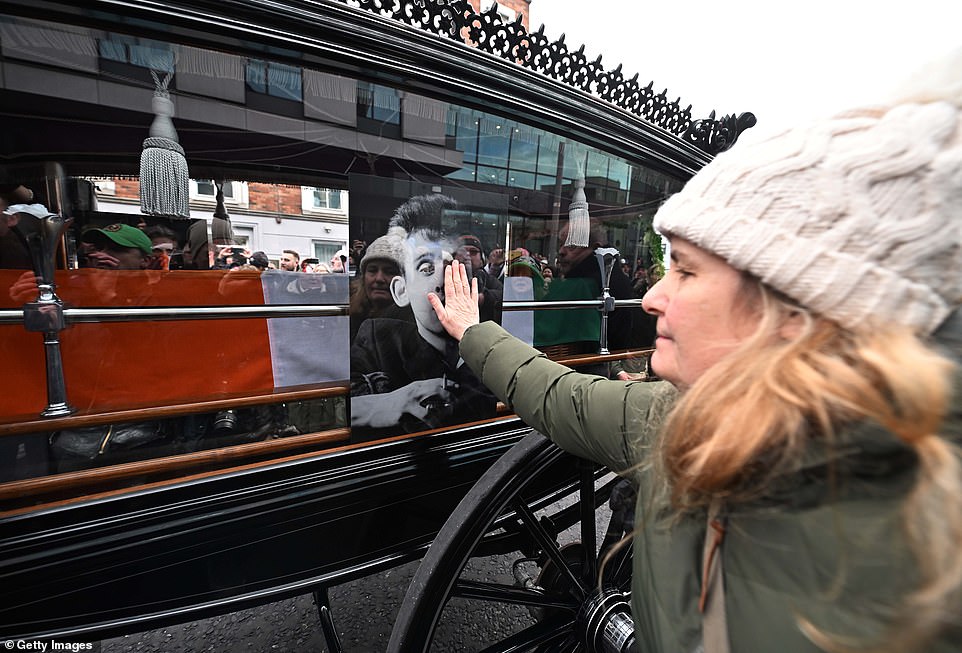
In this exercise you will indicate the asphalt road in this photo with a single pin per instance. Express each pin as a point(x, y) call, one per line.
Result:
point(364, 613)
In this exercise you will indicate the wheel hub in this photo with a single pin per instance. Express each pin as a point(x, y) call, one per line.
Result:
point(605, 622)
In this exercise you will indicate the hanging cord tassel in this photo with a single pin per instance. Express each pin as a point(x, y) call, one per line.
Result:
point(164, 178)
point(579, 222)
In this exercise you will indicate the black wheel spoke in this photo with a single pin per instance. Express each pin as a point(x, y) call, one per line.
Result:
point(537, 506)
point(470, 589)
point(570, 645)
point(589, 535)
point(541, 633)
point(622, 570)
point(548, 545)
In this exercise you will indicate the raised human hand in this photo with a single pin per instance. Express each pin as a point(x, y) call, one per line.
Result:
point(24, 289)
point(101, 260)
point(460, 307)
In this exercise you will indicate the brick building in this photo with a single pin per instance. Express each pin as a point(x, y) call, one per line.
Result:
point(508, 9)
point(269, 217)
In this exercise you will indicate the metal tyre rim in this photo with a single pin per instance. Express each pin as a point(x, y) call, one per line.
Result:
point(514, 508)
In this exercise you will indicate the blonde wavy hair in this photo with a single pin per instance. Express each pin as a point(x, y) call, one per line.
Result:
point(776, 393)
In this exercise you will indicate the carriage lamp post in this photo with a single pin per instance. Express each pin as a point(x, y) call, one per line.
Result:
point(43, 232)
point(607, 258)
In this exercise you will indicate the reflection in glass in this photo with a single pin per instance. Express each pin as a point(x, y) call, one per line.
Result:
point(494, 143)
point(379, 103)
point(518, 179)
point(289, 196)
point(86, 447)
point(493, 176)
point(406, 374)
point(275, 79)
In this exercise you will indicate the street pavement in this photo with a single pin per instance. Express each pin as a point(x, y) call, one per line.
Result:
point(364, 612)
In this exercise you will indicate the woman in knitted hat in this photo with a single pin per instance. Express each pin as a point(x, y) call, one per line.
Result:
point(371, 290)
point(799, 485)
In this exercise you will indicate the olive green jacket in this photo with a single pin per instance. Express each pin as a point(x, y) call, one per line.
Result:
point(831, 553)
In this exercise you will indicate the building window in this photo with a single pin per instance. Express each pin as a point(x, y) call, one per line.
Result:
point(204, 190)
point(324, 250)
point(243, 235)
point(325, 198)
point(275, 88)
point(322, 200)
point(207, 188)
point(104, 185)
point(131, 51)
point(275, 79)
point(133, 60)
point(378, 110)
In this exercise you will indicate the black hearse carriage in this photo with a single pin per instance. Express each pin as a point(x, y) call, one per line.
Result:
point(189, 439)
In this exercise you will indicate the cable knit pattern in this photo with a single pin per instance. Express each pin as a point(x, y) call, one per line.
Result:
point(858, 217)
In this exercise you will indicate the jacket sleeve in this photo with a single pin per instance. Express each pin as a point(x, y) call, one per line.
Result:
point(587, 415)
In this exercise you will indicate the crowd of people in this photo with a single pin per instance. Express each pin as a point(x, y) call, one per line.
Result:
point(404, 369)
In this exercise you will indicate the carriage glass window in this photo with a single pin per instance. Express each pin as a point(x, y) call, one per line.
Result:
point(292, 169)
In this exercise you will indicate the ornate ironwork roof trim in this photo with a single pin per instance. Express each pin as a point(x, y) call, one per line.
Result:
point(335, 37)
point(511, 41)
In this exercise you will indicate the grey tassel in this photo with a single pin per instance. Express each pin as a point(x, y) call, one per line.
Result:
point(579, 222)
point(164, 178)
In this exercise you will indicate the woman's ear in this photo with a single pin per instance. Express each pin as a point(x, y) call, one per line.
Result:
point(399, 291)
point(793, 326)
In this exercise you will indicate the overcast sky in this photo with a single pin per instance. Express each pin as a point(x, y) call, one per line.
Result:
point(783, 60)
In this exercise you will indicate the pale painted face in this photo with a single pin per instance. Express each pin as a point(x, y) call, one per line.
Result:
point(704, 309)
point(424, 261)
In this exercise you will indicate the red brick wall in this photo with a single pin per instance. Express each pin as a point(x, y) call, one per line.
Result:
point(274, 198)
point(129, 188)
point(262, 197)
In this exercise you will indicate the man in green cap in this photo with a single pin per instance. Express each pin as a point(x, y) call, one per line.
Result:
point(117, 247)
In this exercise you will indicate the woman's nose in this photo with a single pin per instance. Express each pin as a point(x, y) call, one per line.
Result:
point(654, 300)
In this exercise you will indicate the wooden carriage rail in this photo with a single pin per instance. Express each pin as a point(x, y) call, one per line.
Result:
point(172, 313)
point(181, 462)
point(300, 393)
point(100, 475)
point(75, 480)
point(78, 420)
point(178, 313)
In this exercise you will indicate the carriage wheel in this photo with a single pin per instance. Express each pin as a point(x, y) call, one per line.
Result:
point(536, 509)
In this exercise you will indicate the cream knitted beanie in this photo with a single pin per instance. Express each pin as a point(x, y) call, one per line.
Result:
point(389, 247)
point(857, 217)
